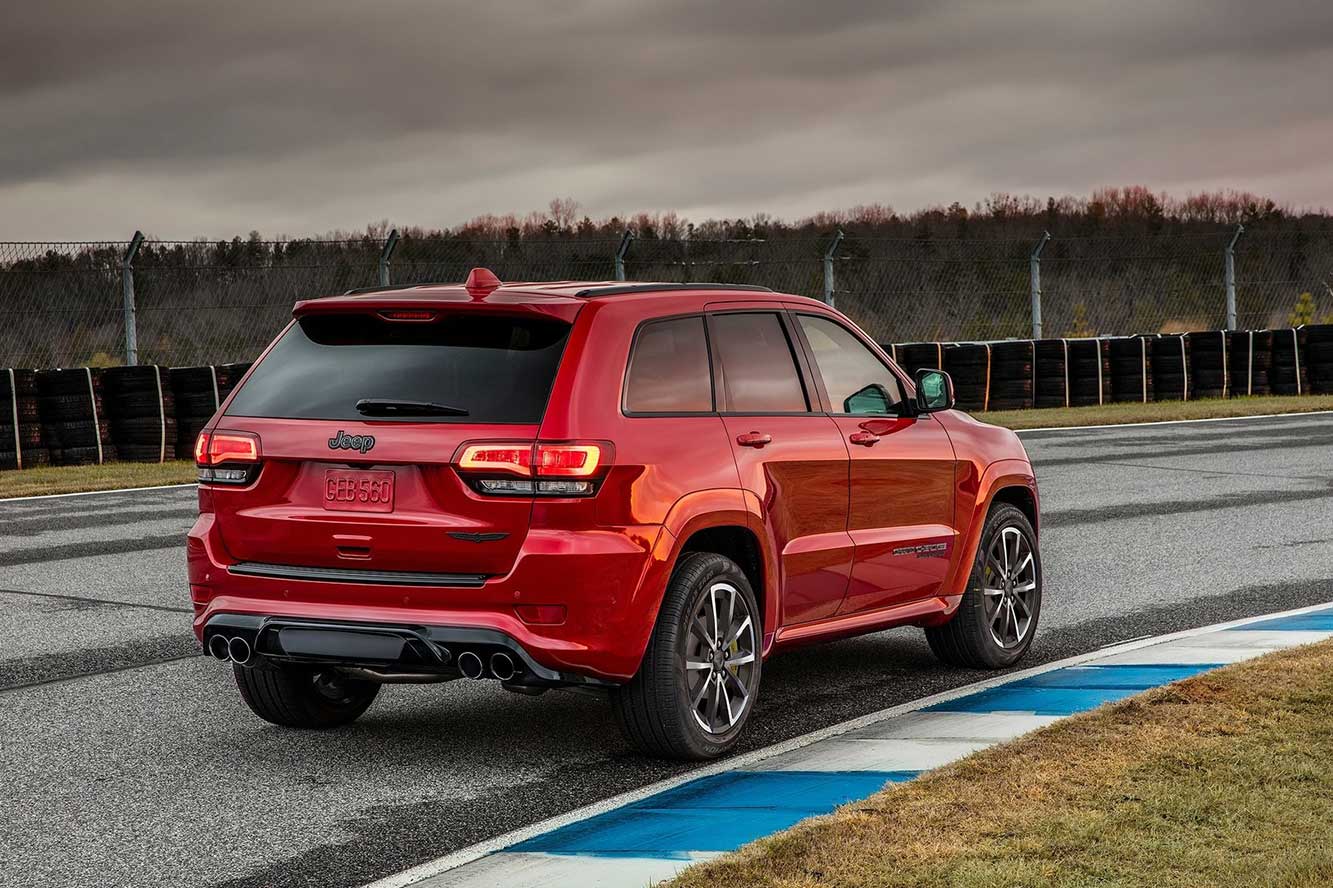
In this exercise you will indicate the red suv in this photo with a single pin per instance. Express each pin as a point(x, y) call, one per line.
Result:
point(640, 488)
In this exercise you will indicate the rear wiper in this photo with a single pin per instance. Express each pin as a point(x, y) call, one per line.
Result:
point(393, 407)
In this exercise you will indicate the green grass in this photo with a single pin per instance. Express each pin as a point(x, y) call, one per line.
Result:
point(1157, 411)
point(72, 479)
point(1225, 779)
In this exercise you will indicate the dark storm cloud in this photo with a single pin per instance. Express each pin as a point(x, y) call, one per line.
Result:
point(192, 118)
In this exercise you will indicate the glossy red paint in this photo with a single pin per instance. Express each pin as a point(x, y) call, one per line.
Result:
point(856, 524)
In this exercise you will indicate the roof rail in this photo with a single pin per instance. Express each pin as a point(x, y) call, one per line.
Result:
point(620, 289)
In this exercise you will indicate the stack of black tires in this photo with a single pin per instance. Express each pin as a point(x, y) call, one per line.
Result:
point(1089, 372)
point(1208, 364)
point(1011, 379)
point(197, 398)
point(1250, 357)
point(1052, 385)
point(21, 444)
point(915, 356)
point(1170, 367)
point(1290, 371)
point(1131, 369)
point(73, 415)
point(968, 364)
point(141, 412)
point(1319, 348)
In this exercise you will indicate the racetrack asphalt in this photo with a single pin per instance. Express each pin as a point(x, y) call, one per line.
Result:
point(129, 760)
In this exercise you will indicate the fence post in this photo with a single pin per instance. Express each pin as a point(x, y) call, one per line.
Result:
point(1034, 276)
point(390, 244)
point(620, 253)
point(1231, 277)
point(127, 289)
point(828, 268)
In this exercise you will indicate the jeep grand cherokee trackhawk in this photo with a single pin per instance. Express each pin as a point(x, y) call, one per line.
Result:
point(645, 489)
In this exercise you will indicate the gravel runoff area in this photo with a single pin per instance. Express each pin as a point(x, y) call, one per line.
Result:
point(129, 760)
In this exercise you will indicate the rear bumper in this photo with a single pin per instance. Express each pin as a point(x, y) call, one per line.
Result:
point(396, 652)
point(609, 581)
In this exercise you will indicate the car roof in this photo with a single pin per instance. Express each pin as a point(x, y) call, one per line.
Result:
point(548, 293)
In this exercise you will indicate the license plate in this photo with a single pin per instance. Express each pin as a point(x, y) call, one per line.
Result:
point(348, 490)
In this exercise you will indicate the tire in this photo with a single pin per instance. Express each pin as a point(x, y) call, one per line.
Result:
point(654, 709)
point(966, 640)
point(290, 696)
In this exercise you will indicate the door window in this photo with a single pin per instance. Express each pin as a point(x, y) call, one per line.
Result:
point(759, 372)
point(858, 382)
point(668, 371)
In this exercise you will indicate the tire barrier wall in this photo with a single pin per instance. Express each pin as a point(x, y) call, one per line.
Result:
point(1017, 374)
point(83, 415)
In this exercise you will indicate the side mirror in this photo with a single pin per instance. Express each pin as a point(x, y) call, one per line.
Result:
point(934, 391)
point(873, 400)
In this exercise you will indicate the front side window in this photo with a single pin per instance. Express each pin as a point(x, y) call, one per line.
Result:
point(858, 382)
point(759, 372)
point(668, 370)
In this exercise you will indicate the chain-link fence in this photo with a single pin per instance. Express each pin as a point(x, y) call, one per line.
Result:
point(70, 304)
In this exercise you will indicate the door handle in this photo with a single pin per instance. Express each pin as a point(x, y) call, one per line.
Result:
point(754, 439)
point(867, 439)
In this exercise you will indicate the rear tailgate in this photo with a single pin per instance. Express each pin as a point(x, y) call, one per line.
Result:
point(339, 489)
point(296, 512)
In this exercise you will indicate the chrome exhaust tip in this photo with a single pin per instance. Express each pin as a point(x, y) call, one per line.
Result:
point(239, 650)
point(502, 666)
point(470, 665)
point(217, 647)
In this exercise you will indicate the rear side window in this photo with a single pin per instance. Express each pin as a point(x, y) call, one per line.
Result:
point(499, 368)
point(759, 372)
point(668, 371)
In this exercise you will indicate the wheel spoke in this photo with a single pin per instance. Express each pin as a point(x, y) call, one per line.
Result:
point(717, 629)
point(698, 664)
point(1023, 566)
point(995, 617)
point(736, 631)
point(699, 630)
point(1004, 548)
point(726, 699)
point(741, 660)
point(993, 591)
point(1025, 588)
point(713, 708)
point(703, 689)
point(1019, 602)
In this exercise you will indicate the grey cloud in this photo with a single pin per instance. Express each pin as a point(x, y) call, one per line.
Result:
point(306, 116)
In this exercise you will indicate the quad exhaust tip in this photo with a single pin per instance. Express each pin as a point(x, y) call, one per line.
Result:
point(470, 665)
point(239, 650)
point(502, 666)
point(230, 650)
point(217, 647)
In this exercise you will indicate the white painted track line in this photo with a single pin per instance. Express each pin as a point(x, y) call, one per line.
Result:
point(43, 496)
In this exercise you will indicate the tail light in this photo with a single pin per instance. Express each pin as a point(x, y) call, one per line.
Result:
point(224, 457)
point(543, 468)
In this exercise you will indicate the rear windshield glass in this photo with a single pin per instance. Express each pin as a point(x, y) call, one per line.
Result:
point(497, 368)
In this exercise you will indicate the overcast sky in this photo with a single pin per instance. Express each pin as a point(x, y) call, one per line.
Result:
point(188, 119)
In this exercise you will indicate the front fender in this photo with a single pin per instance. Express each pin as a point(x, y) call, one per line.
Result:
point(973, 501)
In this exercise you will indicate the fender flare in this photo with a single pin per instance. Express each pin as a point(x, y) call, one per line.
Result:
point(700, 510)
point(998, 475)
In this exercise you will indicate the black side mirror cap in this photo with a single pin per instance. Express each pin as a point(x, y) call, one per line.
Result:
point(934, 391)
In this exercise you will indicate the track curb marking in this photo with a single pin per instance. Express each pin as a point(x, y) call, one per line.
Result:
point(473, 853)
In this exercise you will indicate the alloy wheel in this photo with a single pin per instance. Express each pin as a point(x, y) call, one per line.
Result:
point(1009, 582)
point(720, 658)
